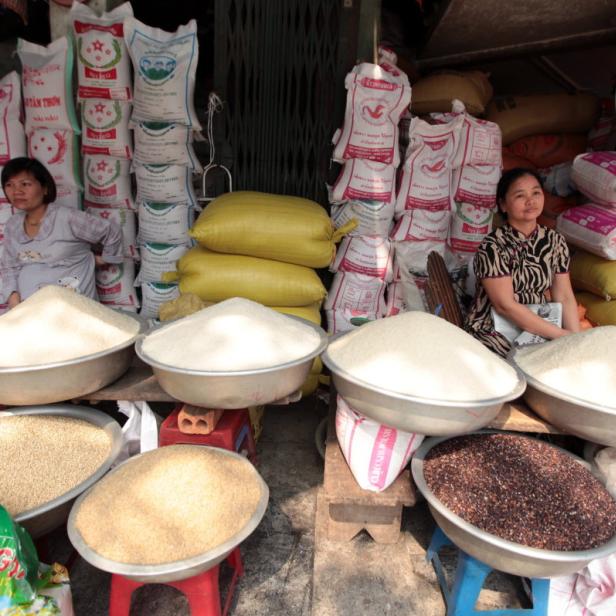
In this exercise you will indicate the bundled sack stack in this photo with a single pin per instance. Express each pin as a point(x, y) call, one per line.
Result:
point(367, 148)
point(164, 122)
point(12, 144)
point(105, 94)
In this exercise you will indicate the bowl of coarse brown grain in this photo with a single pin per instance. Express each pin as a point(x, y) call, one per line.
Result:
point(50, 455)
point(518, 504)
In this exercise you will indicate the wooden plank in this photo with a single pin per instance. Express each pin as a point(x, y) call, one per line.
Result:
point(518, 417)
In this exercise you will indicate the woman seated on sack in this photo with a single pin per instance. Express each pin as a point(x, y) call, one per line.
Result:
point(518, 264)
point(47, 244)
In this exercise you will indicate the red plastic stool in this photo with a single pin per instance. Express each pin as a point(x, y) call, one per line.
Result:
point(233, 432)
point(201, 590)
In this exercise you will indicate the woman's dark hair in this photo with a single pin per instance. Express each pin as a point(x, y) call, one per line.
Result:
point(38, 171)
point(508, 178)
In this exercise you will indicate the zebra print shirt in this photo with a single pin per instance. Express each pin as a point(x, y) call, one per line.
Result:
point(531, 262)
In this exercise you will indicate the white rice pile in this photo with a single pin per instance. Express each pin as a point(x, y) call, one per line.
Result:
point(582, 365)
point(237, 334)
point(57, 324)
point(423, 355)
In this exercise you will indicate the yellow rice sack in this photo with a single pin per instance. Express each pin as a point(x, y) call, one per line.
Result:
point(215, 277)
point(311, 312)
point(594, 274)
point(288, 229)
point(598, 311)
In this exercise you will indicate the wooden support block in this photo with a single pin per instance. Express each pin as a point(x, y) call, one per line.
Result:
point(197, 420)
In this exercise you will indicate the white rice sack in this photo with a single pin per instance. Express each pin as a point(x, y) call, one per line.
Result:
point(165, 66)
point(365, 180)
point(376, 454)
point(373, 217)
point(427, 169)
point(12, 135)
point(395, 299)
point(115, 285)
point(557, 179)
point(161, 143)
point(591, 227)
point(412, 257)
point(67, 196)
point(346, 320)
point(375, 101)
point(154, 294)
point(423, 224)
point(125, 219)
point(58, 150)
point(356, 292)
point(164, 183)
point(6, 211)
point(368, 255)
point(594, 174)
point(107, 181)
point(156, 259)
point(469, 225)
point(105, 128)
point(165, 223)
point(476, 185)
point(47, 84)
point(103, 66)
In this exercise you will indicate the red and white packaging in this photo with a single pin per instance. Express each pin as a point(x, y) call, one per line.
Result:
point(12, 135)
point(376, 454)
point(58, 150)
point(103, 65)
point(115, 285)
point(594, 174)
point(373, 217)
point(426, 174)
point(591, 227)
point(365, 254)
point(469, 225)
point(411, 256)
point(356, 292)
point(6, 211)
point(346, 320)
point(107, 181)
point(376, 99)
point(47, 84)
point(476, 185)
point(365, 180)
point(422, 224)
point(67, 196)
point(104, 125)
point(395, 299)
point(125, 219)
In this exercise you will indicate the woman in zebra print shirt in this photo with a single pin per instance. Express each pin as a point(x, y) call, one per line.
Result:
point(521, 263)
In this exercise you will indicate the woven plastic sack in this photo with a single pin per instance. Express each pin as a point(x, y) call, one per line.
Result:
point(365, 180)
point(598, 310)
point(423, 224)
point(372, 217)
point(164, 223)
point(156, 259)
point(165, 66)
point(476, 184)
point(47, 84)
point(69, 196)
point(170, 183)
point(350, 291)
point(126, 220)
point(549, 150)
point(154, 295)
point(368, 255)
point(593, 274)
point(311, 313)
point(469, 225)
point(161, 143)
point(12, 135)
point(347, 320)
point(594, 174)
point(288, 229)
point(58, 150)
point(105, 128)
point(396, 302)
point(591, 227)
point(215, 277)
point(103, 65)
point(115, 285)
point(553, 207)
point(107, 181)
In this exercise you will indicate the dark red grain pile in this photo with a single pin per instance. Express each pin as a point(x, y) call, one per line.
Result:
point(522, 490)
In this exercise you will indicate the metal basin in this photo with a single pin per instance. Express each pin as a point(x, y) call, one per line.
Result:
point(499, 553)
point(65, 380)
point(234, 389)
point(175, 570)
point(592, 422)
point(49, 516)
point(413, 413)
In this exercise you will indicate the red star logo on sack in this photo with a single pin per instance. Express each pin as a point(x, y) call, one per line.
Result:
point(101, 166)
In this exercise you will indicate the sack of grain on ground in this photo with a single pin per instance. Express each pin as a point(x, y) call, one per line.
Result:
point(593, 274)
point(591, 227)
point(594, 174)
point(547, 150)
point(598, 311)
point(553, 207)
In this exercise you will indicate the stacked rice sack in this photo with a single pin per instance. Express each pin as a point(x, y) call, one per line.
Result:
point(12, 144)
point(367, 148)
point(105, 93)
point(164, 121)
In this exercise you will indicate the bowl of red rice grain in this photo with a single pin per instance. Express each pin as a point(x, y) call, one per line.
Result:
point(518, 504)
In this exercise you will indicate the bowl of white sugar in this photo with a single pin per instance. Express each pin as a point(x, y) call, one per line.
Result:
point(234, 354)
point(419, 373)
point(572, 382)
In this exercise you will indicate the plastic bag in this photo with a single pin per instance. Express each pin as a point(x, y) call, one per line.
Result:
point(140, 432)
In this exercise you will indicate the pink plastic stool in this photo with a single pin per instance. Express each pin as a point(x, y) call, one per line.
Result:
point(201, 590)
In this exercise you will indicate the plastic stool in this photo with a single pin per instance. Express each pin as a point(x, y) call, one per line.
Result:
point(201, 590)
point(470, 576)
point(233, 432)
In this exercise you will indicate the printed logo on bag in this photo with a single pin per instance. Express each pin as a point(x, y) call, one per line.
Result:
point(157, 129)
point(99, 51)
point(157, 69)
point(101, 174)
point(10, 564)
point(373, 111)
point(101, 117)
point(50, 148)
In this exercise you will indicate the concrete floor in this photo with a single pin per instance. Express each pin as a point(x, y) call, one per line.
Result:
point(350, 579)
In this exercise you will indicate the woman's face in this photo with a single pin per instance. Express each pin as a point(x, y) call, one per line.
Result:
point(24, 192)
point(523, 202)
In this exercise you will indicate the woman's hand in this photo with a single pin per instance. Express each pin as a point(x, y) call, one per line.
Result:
point(14, 299)
point(99, 261)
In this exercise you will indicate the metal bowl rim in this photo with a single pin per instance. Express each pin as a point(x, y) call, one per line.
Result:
point(175, 566)
point(323, 342)
point(605, 549)
point(516, 392)
point(94, 416)
point(84, 358)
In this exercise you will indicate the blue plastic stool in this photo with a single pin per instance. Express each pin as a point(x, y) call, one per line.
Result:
point(470, 576)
